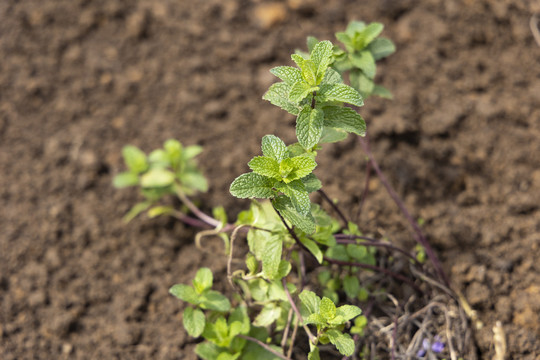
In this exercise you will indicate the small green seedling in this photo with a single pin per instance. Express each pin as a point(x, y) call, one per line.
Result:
point(171, 170)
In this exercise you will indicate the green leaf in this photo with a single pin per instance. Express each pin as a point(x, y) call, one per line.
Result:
point(173, 148)
point(207, 351)
point(357, 252)
point(258, 289)
point(361, 82)
point(298, 195)
point(278, 95)
point(272, 256)
point(159, 158)
point(381, 48)
point(227, 356)
point(327, 308)
point(157, 177)
point(344, 118)
point(191, 151)
point(360, 324)
point(265, 166)
point(288, 74)
point(331, 77)
point(193, 180)
point(306, 223)
point(346, 40)
point(273, 147)
point(125, 179)
point(348, 312)
point(203, 280)
point(309, 73)
point(316, 319)
point(268, 315)
point(314, 354)
point(371, 32)
point(283, 270)
point(311, 183)
point(343, 342)
point(313, 248)
point(135, 159)
point(332, 135)
point(194, 321)
point(300, 90)
point(311, 42)
point(256, 241)
point(185, 293)
point(355, 27)
point(321, 57)
point(219, 214)
point(309, 127)
point(252, 185)
point(382, 92)
point(351, 285)
point(240, 315)
point(341, 93)
point(338, 252)
point(136, 210)
point(310, 301)
point(364, 61)
point(160, 210)
point(213, 300)
point(253, 351)
point(252, 263)
point(303, 166)
point(299, 60)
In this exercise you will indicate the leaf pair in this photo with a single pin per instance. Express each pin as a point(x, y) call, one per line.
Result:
point(276, 172)
point(223, 342)
point(200, 295)
point(328, 318)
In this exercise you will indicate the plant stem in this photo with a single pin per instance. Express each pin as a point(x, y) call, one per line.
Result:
point(188, 220)
point(293, 337)
point(419, 236)
point(265, 346)
point(195, 210)
point(365, 193)
point(312, 338)
point(334, 206)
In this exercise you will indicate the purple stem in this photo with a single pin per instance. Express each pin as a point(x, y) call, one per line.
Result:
point(365, 193)
point(334, 206)
point(419, 236)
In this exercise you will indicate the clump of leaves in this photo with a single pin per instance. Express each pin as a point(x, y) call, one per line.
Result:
point(315, 93)
point(363, 48)
point(168, 171)
point(330, 322)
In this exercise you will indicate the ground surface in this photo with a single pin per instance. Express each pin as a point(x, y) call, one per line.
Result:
point(79, 79)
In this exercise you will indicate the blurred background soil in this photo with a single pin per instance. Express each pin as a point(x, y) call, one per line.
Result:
point(79, 79)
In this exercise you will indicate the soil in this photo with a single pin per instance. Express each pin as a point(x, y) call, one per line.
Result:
point(79, 79)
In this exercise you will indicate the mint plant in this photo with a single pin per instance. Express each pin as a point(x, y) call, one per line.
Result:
point(363, 48)
point(167, 171)
point(283, 227)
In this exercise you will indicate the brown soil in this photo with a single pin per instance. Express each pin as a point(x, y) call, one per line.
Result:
point(79, 79)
